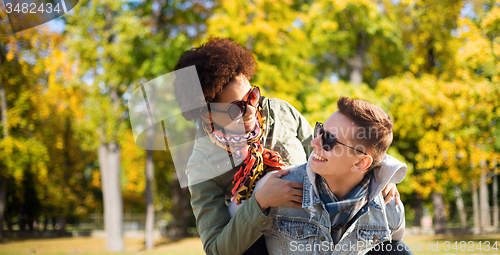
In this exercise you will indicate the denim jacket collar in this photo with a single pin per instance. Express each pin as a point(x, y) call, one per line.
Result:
point(390, 170)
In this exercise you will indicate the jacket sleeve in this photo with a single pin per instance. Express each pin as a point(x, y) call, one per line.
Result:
point(305, 134)
point(304, 130)
point(220, 233)
point(398, 234)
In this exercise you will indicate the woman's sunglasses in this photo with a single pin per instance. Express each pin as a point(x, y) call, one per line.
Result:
point(328, 141)
point(237, 109)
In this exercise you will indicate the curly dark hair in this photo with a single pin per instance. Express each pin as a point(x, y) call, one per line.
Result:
point(217, 63)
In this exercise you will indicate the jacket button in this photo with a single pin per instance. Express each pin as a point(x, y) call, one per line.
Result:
point(300, 232)
point(375, 239)
point(322, 239)
point(264, 223)
point(218, 166)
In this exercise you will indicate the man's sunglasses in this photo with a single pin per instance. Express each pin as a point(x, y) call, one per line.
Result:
point(237, 109)
point(328, 141)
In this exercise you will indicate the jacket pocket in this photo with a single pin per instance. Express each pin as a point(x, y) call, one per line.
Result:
point(296, 229)
point(296, 237)
point(372, 237)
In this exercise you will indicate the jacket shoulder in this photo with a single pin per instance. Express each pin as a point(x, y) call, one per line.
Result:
point(281, 107)
point(380, 214)
point(296, 173)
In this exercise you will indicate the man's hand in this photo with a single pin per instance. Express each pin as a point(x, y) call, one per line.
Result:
point(278, 192)
point(389, 192)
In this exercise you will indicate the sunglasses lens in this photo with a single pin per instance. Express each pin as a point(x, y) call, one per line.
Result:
point(326, 147)
point(254, 97)
point(328, 142)
point(327, 139)
point(236, 110)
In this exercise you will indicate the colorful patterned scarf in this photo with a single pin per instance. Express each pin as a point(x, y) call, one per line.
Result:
point(258, 161)
point(341, 212)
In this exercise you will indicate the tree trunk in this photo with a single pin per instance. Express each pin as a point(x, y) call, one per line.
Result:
point(460, 206)
point(495, 201)
point(10, 223)
point(62, 224)
point(150, 214)
point(176, 212)
point(475, 206)
point(439, 213)
point(45, 223)
point(185, 210)
point(417, 204)
point(109, 159)
point(356, 76)
point(3, 195)
point(483, 198)
point(149, 172)
point(22, 221)
point(3, 109)
point(180, 209)
point(3, 180)
point(31, 223)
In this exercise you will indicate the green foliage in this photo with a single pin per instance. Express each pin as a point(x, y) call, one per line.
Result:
point(337, 29)
point(272, 31)
point(433, 70)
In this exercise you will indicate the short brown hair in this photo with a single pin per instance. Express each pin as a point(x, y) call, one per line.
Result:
point(217, 63)
point(375, 122)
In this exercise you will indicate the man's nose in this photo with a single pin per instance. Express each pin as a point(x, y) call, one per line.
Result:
point(315, 143)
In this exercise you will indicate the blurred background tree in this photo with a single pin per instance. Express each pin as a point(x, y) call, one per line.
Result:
point(434, 66)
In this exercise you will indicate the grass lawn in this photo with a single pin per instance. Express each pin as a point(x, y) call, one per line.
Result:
point(89, 245)
point(193, 246)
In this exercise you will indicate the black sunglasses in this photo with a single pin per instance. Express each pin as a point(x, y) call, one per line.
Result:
point(328, 141)
point(237, 109)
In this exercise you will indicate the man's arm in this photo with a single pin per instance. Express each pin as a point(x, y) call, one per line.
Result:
point(397, 207)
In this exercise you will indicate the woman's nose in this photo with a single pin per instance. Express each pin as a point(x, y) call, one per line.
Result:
point(250, 110)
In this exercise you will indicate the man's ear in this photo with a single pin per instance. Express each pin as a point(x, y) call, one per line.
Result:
point(363, 163)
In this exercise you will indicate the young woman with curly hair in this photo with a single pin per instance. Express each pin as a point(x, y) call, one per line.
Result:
point(259, 135)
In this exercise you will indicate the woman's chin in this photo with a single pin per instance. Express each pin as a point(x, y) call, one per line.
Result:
point(249, 127)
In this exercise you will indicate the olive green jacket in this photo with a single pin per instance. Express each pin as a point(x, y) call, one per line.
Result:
point(288, 133)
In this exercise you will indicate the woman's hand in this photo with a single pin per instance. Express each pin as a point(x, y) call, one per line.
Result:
point(389, 192)
point(278, 192)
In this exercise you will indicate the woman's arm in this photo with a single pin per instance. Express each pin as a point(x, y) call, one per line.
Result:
point(219, 233)
point(222, 234)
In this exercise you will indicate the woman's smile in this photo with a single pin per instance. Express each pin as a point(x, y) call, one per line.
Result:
point(250, 123)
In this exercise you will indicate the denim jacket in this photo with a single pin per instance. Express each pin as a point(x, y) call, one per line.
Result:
point(210, 172)
point(307, 230)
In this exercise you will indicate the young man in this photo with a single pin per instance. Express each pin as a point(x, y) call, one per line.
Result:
point(343, 210)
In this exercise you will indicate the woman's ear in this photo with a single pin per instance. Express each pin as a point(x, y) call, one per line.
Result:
point(206, 117)
point(363, 163)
